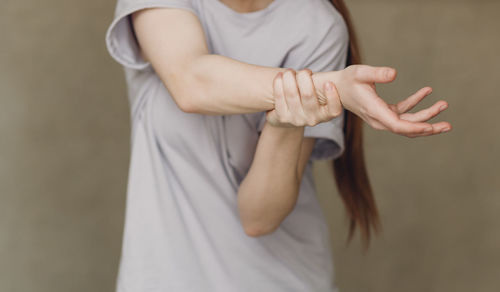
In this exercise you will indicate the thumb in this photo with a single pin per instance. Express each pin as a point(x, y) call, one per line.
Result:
point(372, 74)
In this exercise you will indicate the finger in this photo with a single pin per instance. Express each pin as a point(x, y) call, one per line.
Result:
point(333, 106)
point(438, 128)
point(410, 102)
point(425, 114)
point(396, 125)
point(280, 104)
point(308, 97)
point(292, 95)
point(441, 127)
point(393, 123)
point(365, 73)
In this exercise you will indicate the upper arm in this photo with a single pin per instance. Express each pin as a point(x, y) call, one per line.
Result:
point(170, 39)
point(305, 153)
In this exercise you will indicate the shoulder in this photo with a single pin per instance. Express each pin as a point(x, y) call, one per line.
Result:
point(318, 19)
point(317, 11)
point(320, 36)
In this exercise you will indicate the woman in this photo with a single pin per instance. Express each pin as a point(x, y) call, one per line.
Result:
point(221, 195)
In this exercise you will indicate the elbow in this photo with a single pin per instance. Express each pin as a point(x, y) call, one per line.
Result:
point(258, 222)
point(186, 99)
point(187, 105)
point(255, 223)
point(258, 213)
point(192, 89)
point(184, 89)
point(258, 230)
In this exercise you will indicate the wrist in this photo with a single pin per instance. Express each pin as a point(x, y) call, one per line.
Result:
point(319, 80)
point(283, 133)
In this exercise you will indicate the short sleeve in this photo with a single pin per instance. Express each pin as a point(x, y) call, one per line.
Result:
point(326, 50)
point(120, 39)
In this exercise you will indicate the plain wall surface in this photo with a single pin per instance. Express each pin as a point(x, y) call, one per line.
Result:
point(64, 150)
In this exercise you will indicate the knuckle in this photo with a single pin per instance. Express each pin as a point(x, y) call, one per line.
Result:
point(311, 122)
point(289, 72)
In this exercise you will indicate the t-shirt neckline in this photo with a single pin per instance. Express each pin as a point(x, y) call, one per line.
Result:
point(252, 14)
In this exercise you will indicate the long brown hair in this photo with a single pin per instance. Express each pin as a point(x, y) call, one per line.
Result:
point(350, 169)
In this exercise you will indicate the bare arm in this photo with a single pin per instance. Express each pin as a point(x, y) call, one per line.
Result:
point(173, 41)
point(270, 190)
point(271, 187)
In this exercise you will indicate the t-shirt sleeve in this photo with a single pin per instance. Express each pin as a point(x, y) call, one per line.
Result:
point(120, 39)
point(326, 50)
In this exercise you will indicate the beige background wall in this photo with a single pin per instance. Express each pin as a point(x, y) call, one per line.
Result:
point(64, 150)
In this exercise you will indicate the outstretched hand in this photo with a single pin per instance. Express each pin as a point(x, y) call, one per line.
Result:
point(356, 87)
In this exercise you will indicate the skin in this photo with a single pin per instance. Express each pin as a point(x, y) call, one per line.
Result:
point(282, 152)
point(244, 6)
point(204, 83)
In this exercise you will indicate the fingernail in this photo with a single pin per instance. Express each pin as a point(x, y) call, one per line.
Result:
point(389, 73)
point(445, 130)
point(444, 106)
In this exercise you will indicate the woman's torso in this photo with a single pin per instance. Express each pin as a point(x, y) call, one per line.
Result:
point(182, 229)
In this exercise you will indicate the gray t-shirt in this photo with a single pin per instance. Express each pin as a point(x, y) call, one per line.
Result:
point(182, 229)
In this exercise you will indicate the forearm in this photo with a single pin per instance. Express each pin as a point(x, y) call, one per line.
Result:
point(271, 187)
point(221, 85)
point(173, 41)
point(227, 86)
